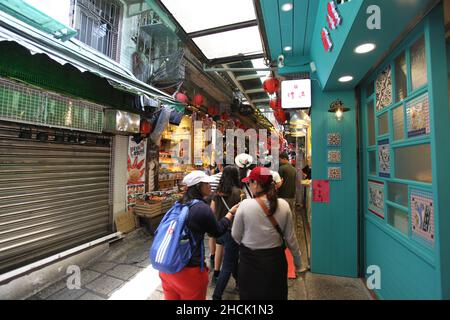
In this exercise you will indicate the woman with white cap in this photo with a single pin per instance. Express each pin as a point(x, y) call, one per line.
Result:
point(244, 162)
point(191, 282)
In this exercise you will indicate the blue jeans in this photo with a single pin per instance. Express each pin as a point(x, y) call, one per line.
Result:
point(229, 265)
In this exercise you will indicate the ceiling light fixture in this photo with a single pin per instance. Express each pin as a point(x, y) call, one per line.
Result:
point(345, 79)
point(287, 48)
point(287, 7)
point(365, 48)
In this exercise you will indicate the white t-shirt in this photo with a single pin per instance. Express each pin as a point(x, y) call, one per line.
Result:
point(276, 176)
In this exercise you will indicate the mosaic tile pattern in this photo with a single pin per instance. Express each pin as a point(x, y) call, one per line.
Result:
point(334, 156)
point(334, 173)
point(334, 139)
point(384, 88)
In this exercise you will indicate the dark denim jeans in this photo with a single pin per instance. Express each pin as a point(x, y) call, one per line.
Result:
point(229, 265)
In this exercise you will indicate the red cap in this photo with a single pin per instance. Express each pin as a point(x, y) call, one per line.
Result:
point(259, 174)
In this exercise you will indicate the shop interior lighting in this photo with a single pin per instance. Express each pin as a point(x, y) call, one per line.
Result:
point(365, 48)
point(287, 48)
point(287, 7)
point(345, 79)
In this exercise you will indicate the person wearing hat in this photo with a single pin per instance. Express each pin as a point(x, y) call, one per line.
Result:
point(191, 282)
point(245, 163)
point(262, 227)
point(289, 176)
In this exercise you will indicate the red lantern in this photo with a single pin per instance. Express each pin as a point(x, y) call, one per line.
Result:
point(271, 85)
point(198, 100)
point(145, 127)
point(275, 104)
point(180, 96)
point(280, 116)
point(213, 110)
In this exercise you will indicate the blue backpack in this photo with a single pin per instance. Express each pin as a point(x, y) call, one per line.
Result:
point(174, 244)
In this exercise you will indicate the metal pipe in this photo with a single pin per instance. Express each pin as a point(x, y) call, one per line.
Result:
point(230, 27)
point(236, 69)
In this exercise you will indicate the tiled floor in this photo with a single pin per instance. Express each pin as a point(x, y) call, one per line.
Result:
point(124, 272)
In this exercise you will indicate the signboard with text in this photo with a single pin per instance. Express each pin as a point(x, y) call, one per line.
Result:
point(296, 94)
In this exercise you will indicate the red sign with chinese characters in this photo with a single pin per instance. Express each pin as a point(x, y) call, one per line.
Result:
point(296, 94)
point(321, 191)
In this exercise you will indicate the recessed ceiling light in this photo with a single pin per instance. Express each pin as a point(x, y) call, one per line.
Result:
point(365, 48)
point(287, 48)
point(287, 7)
point(345, 79)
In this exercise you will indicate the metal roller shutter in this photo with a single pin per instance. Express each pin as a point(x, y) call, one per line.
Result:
point(53, 196)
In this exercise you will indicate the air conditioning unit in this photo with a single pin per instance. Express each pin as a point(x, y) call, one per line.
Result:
point(121, 122)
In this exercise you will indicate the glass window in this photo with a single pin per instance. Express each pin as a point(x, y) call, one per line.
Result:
point(242, 41)
point(372, 163)
point(371, 123)
point(97, 23)
point(398, 193)
point(418, 64)
point(414, 163)
point(399, 123)
point(400, 78)
point(398, 219)
point(201, 15)
point(383, 124)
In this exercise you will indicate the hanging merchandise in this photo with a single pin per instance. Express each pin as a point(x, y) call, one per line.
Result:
point(198, 100)
point(275, 103)
point(271, 85)
point(225, 116)
point(280, 116)
point(161, 123)
point(213, 111)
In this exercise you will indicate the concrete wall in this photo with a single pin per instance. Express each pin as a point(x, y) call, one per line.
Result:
point(129, 30)
point(119, 174)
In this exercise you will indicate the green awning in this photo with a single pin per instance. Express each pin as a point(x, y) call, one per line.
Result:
point(21, 10)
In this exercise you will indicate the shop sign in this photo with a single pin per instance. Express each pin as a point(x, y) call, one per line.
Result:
point(296, 94)
point(321, 191)
point(135, 171)
point(334, 19)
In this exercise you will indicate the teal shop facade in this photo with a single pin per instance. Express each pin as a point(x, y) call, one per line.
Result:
point(388, 219)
